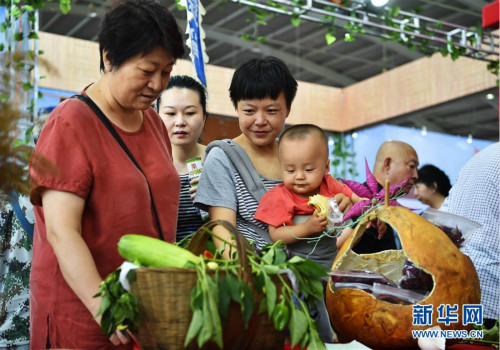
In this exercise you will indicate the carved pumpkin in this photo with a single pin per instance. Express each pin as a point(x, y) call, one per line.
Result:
point(358, 315)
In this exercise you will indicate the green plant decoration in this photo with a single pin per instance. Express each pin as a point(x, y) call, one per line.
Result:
point(16, 67)
point(342, 160)
point(398, 26)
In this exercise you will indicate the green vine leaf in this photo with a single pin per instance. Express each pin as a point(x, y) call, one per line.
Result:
point(261, 21)
point(296, 20)
point(247, 37)
point(418, 10)
point(65, 6)
point(330, 38)
point(27, 86)
point(179, 6)
point(18, 36)
point(15, 11)
point(349, 37)
point(395, 11)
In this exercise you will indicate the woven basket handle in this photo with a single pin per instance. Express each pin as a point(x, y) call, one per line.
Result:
point(198, 243)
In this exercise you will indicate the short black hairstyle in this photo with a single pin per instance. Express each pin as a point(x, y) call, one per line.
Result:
point(429, 174)
point(263, 77)
point(187, 82)
point(301, 131)
point(131, 27)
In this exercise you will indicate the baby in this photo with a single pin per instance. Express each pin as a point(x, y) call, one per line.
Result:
point(303, 155)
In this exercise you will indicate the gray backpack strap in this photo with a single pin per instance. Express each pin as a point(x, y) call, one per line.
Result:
point(243, 165)
point(248, 174)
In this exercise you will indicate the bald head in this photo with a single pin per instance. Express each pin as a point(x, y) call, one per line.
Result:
point(396, 161)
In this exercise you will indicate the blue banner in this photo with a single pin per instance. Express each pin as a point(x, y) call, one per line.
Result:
point(193, 6)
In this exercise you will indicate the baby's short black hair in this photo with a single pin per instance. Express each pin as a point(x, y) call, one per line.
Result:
point(301, 131)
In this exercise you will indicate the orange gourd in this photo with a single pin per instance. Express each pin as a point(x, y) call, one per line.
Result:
point(358, 315)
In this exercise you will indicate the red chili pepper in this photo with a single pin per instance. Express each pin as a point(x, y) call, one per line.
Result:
point(207, 254)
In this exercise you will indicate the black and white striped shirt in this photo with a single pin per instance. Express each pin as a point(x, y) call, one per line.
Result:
point(221, 186)
point(188, 218)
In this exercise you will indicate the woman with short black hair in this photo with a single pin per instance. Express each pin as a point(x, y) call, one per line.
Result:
point(432, 186)
point(98, 194)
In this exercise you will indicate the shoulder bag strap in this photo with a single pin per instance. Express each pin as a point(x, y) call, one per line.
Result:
point(118, 139)
point(243, 165)
point(14, 201)
point(248, 173)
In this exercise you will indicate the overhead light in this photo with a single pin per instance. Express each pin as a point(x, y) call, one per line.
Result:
point(424, 130)
point(92, 14)
point(330, 141)
point(469, 139)
point(379, 3)
point(490, 97)
point(354, 135)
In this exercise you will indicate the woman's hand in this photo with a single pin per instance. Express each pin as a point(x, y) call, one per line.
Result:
point(344, 202)
point(194, 186)
point(380, 226)
point(119, 338)
point(219, 213)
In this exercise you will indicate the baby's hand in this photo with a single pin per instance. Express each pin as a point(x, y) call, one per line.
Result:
point(316, 223)
point(344, 203)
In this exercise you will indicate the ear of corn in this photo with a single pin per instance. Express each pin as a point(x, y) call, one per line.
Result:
point(320, 203)
point(152, 252)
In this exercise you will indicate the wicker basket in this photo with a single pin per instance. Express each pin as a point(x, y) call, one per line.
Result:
point(164, 296)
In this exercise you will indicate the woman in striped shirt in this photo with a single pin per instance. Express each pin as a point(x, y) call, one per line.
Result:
point(183, 109)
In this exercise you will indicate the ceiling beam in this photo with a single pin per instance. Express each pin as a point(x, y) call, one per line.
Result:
point(452, 8)
point(396, 47)
point(487, 125)
point(421, 121)
point(55, 17)
point(401, 49)
point(217, 34)
point(77, 26)
point(285, 56)
point(492, 104)
point(474, 4)
point(241, 32)
point(468, 117)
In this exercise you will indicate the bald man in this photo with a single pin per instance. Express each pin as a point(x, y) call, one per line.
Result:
point(396, 161)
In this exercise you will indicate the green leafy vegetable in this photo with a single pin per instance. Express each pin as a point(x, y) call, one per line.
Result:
point(490, 336)
point(211, 297)
point(118, 307)
point(215, 290)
